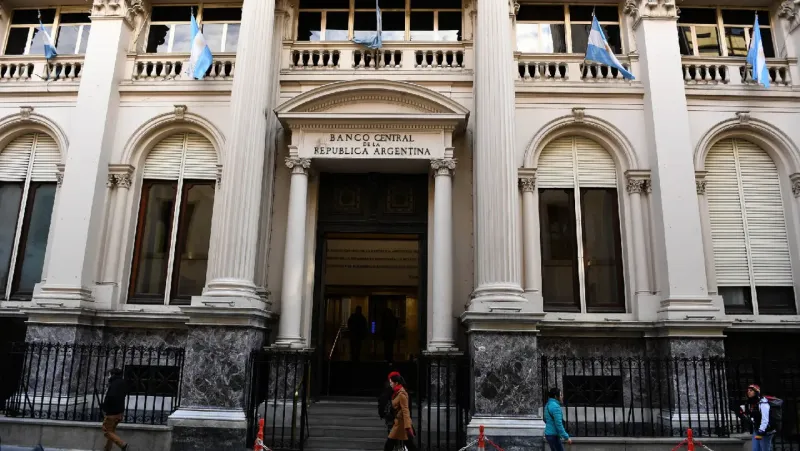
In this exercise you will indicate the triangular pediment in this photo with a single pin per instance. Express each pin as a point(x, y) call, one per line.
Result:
point(371, 101)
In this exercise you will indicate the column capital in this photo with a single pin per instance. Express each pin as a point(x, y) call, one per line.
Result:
point(60, 174)
point(700, 182)
point(443, 166)
point(638, 182)
point(789, 10)
point(650, 9)
point(298, 165)
point(795, 179)
point(120, 176)
point(527, 183)
point(127, 10)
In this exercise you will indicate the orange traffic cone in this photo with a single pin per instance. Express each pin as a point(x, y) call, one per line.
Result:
point(259, 445)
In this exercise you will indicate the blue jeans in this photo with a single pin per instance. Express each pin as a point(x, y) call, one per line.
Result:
point(555, 442)
point(765, 444)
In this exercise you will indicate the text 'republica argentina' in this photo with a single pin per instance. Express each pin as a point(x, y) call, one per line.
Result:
point(371, 145)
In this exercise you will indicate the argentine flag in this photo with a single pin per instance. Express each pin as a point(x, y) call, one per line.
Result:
point(49, 46)
point(376, 41)
point(756, 58)
point(201, 58)
point(599, 51)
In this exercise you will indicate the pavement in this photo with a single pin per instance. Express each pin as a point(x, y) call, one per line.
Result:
point(28, 448)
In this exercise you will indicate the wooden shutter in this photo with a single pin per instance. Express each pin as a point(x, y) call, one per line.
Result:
point(725, 211)
point(201, 158)
point(188, 152)
point(766, 224)
point(46, 157)
point(558, 161)
point(15, 158)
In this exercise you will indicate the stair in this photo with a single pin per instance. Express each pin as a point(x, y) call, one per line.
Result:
point(345, 424)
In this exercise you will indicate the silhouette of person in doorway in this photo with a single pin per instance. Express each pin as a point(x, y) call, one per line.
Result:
point(389, 334)
point(357, 325)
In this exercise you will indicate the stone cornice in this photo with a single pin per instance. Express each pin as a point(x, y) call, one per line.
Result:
point(127, 10)
point(640, 10)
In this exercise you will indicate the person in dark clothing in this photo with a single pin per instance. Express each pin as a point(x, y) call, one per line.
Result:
point(357, 325)
point(114, 408)
point(384, 406)
point(389, 334)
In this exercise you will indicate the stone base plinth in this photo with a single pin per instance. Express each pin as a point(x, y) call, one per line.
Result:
point(208, 429)
point(509, 433)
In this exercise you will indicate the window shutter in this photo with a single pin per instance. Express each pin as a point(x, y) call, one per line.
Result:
point(555, 168)
point(725, 215)
point(46, 157)
point(15, 158)
point(164, 161)
point(766, 224)
point(595, 166)
point(201, 158)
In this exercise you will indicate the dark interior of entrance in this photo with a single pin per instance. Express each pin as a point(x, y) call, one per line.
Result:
point(370, 283)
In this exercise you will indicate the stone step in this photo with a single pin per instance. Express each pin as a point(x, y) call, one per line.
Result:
point(352, 443)
point(353, 430)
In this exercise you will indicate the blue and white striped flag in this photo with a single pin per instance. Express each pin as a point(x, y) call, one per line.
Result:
point(49, 46)
point(756, 58)
point(200, 59)
point(599, 51)
point(375, 41)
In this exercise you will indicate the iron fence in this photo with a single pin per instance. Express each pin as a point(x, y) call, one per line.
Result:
point(279, 394)
point(442, 402)
point(68, 382)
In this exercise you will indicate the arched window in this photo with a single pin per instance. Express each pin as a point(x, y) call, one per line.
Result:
point(28, 167)
point(579, 228)
point(748, 229)
point(174, 226)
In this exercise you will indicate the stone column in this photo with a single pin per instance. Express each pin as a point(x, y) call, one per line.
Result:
point(497, 242)
point(678, 235)
point(530, 237)
point(234, 244)
point(637, 187)
point(77, 221)
point(789, 11)
point(442, 259)
point(289, 334)
point(705, 221)
point(119, 179)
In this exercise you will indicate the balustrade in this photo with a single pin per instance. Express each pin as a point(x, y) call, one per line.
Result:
point(26, 68)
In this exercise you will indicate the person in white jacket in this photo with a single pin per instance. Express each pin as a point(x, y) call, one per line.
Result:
point(757, 410)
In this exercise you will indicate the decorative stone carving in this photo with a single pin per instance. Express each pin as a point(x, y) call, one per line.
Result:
point(650, 9)
point(124, 180)
point(120, 176)
point(795, 178)
point(125, 9)
point(700, 186)
point(25, 112)
point(298, 165)
point(789, 10)
point(219, 174)
point(513, 7)
point(743, 116)
point(527, 184)
point(631, 8)
point(111, 182)
point(444, 166)
point(180, 111)
point(579, 114)
point(60, 175)
point(637, 185)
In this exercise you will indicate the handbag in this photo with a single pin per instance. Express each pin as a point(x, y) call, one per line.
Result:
point(399, 446)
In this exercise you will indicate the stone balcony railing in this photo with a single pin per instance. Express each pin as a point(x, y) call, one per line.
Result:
point(733, 71)
point(394, 56)
point(170, 67)
point(553, 67)
point(23, 69)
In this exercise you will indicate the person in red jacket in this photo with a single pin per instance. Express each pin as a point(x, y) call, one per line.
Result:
point(114, 408)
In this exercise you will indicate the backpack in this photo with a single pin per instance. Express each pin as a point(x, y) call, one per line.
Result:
point(775, 412)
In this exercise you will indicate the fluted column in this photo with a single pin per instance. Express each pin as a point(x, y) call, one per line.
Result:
point(705, 222)
point(442, 289)
point(533, 271)
point(637, 187)
point(294, 255)
point(497, 241)
point(235, 241)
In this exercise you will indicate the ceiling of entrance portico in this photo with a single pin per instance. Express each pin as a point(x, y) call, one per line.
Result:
point(372, 101)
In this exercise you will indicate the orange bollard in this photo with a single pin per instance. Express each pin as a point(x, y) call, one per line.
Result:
point(481, 441)
point(259, 444)
point(689, 439)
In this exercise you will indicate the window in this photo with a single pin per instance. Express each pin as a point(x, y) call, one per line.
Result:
point(71, 31)
point(593, 391)
point(748, 230)
point(722, 32)
point(174, 226)
point(402, 20)
point(578, 198)
point(27, 194)
point(170, 28)
point(564, 28)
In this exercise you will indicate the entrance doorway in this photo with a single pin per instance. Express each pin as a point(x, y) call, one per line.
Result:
point(370, 287)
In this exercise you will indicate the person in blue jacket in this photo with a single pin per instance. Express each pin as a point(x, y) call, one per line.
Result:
point(554, 431)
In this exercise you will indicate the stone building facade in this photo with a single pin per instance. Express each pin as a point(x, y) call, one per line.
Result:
point(515, 198)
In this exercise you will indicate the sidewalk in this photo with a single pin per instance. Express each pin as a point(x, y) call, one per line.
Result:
point(29, 448)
